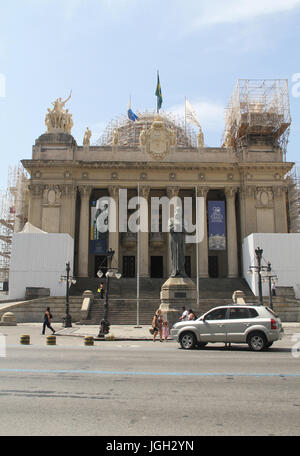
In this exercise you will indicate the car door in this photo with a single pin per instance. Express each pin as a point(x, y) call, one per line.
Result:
point(213, 328)
point(237, 323)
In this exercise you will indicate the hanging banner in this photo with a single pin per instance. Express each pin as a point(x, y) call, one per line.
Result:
point(99, 227)
point(216, 225)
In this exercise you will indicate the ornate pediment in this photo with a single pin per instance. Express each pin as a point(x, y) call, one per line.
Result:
point(159, 140)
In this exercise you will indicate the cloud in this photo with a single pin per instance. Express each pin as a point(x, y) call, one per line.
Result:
point(216, 12)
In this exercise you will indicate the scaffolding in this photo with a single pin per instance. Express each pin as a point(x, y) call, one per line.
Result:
point(129, 131)
point(259, 108)
point(293, 180)
point(13, 212)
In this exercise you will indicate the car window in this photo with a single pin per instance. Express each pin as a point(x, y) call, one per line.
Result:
point(253, 313)
point(239, 312)
point(272, 312)
point(217, 314)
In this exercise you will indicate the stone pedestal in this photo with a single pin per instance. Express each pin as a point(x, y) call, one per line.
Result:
point(175, 293)
point(8, 319)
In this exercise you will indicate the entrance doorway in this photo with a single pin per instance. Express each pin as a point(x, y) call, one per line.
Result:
point(157, 267)
point(129, 266)
point(100, 262)
point(213, 266)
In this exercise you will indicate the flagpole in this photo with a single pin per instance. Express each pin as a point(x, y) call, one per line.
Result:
point(197, 247)
point(138, 268)
point(185, 115)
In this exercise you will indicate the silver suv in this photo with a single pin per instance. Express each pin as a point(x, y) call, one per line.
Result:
point(257, 326)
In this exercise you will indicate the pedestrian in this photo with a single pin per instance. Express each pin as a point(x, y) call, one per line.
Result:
point(157, 325)
point(192, 315)
point(166, 330)
point(273, 288)
point(101, 290)
point(47, 321)
point(185, 315)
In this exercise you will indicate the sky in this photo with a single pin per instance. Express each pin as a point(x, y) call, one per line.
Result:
point(106, 50)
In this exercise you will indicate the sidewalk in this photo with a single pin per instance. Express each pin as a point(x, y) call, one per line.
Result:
point(120, 332)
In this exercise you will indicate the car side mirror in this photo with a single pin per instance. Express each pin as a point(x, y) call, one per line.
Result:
point(201, 318)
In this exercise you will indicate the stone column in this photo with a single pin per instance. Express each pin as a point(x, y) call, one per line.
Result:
point(171, 193)
point(35, 205)
point(144, 240)
point(83, 250)
point(113, 236)
point(232, 251)
point(280, 209)
point(69, 192)
point(203, 246)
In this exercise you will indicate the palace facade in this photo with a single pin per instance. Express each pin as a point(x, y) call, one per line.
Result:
point(243, 183)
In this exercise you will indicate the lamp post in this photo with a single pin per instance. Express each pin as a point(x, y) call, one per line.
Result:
point(258, 268)
point(269, 277)
point(67, 320)
point(104, 323)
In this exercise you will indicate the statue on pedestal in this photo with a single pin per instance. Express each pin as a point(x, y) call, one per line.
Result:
point(87, 137)
point(200, 138)
point(177, 242)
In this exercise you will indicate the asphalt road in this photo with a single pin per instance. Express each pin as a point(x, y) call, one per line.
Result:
point(148, 389)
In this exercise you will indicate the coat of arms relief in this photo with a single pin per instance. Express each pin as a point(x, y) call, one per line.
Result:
point(159, 140)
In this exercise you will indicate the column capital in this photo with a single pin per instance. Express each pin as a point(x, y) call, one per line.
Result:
point(248, 191)
point(68, 190)
point(36, 190)
point(113, 191)
point(279, 190)
point(172, 191)
point(85, 190)
point(230, 192)
point(145, 191)
point(202, 191)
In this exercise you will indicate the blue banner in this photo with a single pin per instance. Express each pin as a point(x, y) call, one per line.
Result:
point(99, 227)
point(216, 225)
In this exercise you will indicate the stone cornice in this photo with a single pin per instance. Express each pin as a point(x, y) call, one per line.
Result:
point(33, 164)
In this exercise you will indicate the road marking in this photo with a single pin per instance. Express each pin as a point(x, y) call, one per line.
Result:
point(165, 374)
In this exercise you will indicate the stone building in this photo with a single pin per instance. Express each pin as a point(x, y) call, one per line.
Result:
point(243, 181)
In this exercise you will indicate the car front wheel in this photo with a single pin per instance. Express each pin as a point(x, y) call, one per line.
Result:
point(187, 340)
point(257, 341)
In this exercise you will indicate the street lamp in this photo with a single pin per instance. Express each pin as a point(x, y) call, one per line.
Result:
point(67, 320)
point(258, 268)
point(110, 272)
point(269, 277)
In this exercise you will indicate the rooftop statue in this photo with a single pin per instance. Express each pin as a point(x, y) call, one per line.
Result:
point(59, 120)
point(87, 137)
point(200, 138)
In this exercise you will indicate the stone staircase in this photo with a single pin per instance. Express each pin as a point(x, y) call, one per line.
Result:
point(123, 305)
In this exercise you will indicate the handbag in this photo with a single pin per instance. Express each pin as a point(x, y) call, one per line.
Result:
point(151, 330)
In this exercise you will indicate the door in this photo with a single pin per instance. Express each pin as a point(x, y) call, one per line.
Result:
point(100, 264)
point(157, 267)
point(128, 266)
point(238, 322)
point(214, 326)
point(213, 266)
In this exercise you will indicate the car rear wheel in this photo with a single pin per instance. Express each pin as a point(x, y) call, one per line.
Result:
point(257, 341)
point(187, 340)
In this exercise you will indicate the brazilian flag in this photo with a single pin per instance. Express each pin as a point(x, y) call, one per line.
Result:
point(158, 94)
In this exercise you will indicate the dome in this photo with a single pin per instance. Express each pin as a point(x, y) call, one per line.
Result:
point(129, 132)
